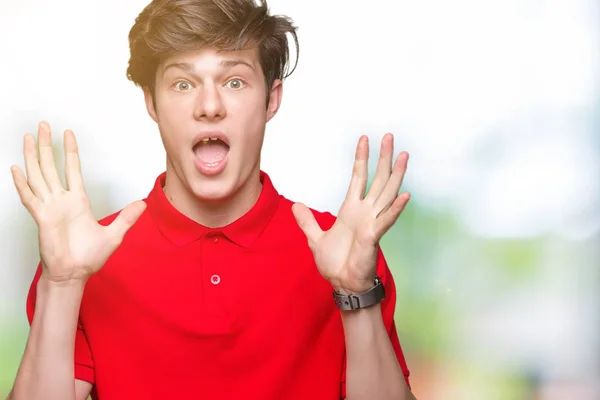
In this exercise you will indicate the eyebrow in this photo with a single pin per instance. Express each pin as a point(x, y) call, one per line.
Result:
point(227, 64)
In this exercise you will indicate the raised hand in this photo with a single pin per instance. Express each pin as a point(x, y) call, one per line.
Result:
point(346, 254)
point(73, 245)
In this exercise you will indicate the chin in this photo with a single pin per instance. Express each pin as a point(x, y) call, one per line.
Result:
point(212, 189)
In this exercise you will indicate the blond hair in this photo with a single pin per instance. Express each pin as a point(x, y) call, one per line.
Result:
point(168, 27)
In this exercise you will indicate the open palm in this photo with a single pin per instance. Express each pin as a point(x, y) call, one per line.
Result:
point(346, 254)
point(73, 245)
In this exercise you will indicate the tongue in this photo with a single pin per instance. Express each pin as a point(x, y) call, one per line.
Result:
point(211, 152)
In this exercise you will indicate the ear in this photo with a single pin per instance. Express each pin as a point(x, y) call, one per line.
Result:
point(150, 104)
point(274, 99)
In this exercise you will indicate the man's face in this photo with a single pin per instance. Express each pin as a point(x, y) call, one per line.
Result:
point(211, 110)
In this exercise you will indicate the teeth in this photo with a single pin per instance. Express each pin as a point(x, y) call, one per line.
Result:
point(206, 140)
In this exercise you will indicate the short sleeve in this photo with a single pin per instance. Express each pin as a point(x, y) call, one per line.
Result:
point(84, 366)
point(388, 307)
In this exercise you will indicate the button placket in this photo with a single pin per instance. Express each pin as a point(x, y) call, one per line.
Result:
point(213, 277)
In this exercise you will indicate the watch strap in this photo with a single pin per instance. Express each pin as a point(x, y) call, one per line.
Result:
point(357, 301)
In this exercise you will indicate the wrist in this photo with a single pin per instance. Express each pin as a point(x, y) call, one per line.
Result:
point(353, 286)
point(59, 301)
point(372, 295)
point(47, 285)
point(69, 275)
point(367, 314)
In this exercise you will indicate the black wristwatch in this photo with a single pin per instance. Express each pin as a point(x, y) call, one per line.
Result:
point(357, 301)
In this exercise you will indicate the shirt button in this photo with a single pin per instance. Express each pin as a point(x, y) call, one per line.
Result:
point(215, 279)
point(215, 240)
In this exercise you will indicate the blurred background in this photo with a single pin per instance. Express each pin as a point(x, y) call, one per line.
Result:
point(496, 257)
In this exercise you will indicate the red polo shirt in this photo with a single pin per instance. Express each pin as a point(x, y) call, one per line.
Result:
point(182, 311)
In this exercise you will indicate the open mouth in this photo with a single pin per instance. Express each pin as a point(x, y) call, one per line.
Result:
point(210, 151)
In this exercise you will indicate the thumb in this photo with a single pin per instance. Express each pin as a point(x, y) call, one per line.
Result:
point(126, 218)
point(307, 222)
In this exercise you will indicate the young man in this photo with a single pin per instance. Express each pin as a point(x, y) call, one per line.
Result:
point(214, 286)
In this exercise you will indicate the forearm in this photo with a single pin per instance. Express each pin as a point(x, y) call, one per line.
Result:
point(47, 367)
point(372, 370)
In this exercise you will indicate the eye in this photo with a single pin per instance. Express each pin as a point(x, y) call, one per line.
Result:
point(182, 86)
point(235, 84)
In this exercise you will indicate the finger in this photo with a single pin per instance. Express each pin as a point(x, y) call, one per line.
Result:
point(358, 182)
point(384, 167)
point(28, 199)
point(307, 223)
point(392, 187)
point(35, 179)
point(387, 218)
point(125, 220)
point(47, 163)
point(72, 163)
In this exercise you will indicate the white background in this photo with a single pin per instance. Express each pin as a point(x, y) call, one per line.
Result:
point(492, 99)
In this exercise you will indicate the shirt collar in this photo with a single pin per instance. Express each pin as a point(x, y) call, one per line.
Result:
point(181, 230)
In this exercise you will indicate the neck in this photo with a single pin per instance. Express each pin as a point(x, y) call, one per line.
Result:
point(213, 213)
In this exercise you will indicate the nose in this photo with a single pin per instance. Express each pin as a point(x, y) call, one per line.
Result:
point(209, 103)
